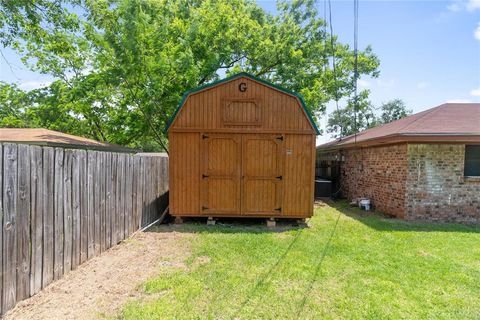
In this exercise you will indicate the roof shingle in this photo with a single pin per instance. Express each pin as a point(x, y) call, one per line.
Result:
point(445, 121)
point(46, 137)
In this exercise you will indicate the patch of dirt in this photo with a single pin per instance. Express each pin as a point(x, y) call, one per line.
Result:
point(102, 285)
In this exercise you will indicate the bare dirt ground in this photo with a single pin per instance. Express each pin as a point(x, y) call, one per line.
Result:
point(103, 284)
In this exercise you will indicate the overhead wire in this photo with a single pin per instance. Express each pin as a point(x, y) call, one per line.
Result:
point(355, 67)
point(325, 44)
point(358, 165)
point(332, 45)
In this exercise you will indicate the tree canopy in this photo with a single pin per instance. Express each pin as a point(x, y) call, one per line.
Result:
point(122, 65)
point(351, 120)
point(393, 110)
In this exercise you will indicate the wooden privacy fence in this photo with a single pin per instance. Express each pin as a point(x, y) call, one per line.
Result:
point(60, 207)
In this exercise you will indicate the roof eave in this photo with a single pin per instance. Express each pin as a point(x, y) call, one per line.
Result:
point(407, 138)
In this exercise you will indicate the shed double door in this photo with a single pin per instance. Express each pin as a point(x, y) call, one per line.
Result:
point(242, 174)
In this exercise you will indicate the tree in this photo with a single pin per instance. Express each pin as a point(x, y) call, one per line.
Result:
point(352, 119)
point(13, 105)
point(393, 110)
point(346, 121)
point(124, 65)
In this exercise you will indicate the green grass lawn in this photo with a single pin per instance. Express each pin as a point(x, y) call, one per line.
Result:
point(346, 264)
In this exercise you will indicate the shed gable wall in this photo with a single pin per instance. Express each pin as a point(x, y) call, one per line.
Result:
point(225, 107)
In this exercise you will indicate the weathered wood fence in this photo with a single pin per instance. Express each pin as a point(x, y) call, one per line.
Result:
point(60, 207)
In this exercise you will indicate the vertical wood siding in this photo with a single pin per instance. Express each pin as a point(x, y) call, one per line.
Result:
point(185, 187)
point(60, 207)
point(235, 153)
point(299, 175)
point(209, 109)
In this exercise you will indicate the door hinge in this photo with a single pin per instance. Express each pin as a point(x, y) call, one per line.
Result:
point(205, 176)
point(205, 208)
point(280, 138)
point(278, 209)
point(280, 177)
point(204, 136)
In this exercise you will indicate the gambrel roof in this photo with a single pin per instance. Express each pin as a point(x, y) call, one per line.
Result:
point(236, 76)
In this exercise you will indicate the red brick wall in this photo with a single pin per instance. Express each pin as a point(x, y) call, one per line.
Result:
point(436, 187)
point(379, 173)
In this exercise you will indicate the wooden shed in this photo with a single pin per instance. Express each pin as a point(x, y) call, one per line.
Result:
point(242, 147)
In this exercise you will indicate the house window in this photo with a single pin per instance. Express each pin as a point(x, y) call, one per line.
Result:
point(472, 161)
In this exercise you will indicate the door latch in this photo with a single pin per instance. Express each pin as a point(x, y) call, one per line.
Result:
point(205, 176)
point(279, 177)
point(278, 209)
point(205, 208)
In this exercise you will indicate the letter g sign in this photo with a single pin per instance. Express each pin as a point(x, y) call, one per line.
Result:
point(242, 87)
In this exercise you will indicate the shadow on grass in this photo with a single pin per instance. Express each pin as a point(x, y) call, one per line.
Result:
point(382, 222)
point(265, 276)
point(372, 219)
point(227, 225)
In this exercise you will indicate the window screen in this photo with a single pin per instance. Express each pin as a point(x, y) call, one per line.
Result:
point(472, 160)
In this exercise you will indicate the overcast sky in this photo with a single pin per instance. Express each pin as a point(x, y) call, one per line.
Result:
point(429, 51)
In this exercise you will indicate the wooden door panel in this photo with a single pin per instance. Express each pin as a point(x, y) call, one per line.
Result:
point(262, 159)
point(222, 195)
point(262, 164)
point(260, 196)
point(222, 155)
point(220, 188)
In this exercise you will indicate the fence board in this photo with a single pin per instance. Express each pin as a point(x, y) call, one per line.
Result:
point(48, 214)
point(108, 200)
point(151, 191)
point(91, 155)
point(164, 183)
point(102, 178)
point(128, 197)
point(9, 228)
point(134, 194)
point(120, 197)
point(67, 209)
point(139, 190)
point(146, 198)
point(113, 213)
point(58, 215)
point(96, 198)
point(145, 193)
point(75, 208)
point(23, 223)
point(82, 158)
point(36, 218)
point(59, 207)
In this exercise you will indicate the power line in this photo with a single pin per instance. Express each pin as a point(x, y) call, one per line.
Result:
point(355, 67)
point(355, 79)
point(333, 59)
point(325, 66)
point(325, 34)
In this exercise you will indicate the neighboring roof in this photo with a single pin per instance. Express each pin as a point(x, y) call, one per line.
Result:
point(44, 137)
point(239, 75)
point(448, 122)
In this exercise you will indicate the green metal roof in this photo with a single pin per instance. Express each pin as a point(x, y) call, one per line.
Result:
point(239, 75)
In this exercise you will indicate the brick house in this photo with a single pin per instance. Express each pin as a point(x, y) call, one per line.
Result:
point(422, 167)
